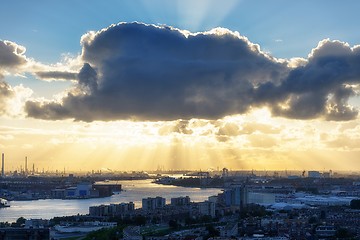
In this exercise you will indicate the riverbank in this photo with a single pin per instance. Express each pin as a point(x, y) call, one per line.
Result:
point(194, 182)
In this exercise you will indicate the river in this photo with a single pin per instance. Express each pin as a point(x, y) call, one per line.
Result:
point(134, 191)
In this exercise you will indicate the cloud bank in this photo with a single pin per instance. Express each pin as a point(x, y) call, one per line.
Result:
point(146, 72)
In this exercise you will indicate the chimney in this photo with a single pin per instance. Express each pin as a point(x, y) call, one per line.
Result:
point(2, 166)
point(26, 170)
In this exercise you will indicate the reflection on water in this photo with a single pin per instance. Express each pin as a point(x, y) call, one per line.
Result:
point(133, 191)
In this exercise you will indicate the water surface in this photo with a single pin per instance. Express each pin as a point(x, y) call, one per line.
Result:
point(134, 191)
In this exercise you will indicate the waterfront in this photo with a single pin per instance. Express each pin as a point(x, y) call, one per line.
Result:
point(134, 191)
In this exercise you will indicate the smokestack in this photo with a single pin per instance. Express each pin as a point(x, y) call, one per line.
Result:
point(26, 170)
point(3, 165)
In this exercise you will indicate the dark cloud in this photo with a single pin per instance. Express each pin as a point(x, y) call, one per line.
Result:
point(55, 75)
point(321, 88)
point(11, 55)
point(88, 79)
point(146, 72)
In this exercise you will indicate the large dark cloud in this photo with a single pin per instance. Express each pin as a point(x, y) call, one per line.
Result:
point(146, 72)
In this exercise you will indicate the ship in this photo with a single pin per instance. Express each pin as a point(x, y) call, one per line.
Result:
point(4, 203)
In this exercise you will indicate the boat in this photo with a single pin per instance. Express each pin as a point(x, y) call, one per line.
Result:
point(4, 203)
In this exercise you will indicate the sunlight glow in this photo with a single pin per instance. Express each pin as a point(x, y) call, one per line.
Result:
point(255, 140)
point(203, 14)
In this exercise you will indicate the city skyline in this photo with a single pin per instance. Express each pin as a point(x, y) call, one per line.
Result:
point(138, 85)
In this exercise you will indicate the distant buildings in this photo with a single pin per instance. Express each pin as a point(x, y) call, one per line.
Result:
point(107, 189)
point(206, 208)
point(236, 196)
point(166, 180)
point(261, 198)
point(314, 174)
point(317, 174)
point(85, 190)
point(120, 209)
point(36, 223)
point(81, 190)
point(180, 201)
point(82, 227)
point(153, 203)
point(325, 231)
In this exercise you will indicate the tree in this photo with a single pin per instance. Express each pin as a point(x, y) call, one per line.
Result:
point(213, 232)
point(140, 220)
point(20, 221)
point(313, 220)
point(355, 204)
point(173, 224)
point(322, 215)
point(343, 233)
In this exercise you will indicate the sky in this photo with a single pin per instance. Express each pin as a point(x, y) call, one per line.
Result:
point(158, 84)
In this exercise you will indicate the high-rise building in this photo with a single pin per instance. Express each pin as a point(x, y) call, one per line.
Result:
point(180, 201)
point(153, 203)
point(206, 208)
point(236, 196)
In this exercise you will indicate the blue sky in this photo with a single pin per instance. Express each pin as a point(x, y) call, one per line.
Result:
point(285, 28)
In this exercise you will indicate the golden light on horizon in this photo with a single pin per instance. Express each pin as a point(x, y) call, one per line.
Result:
point(252, 141)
